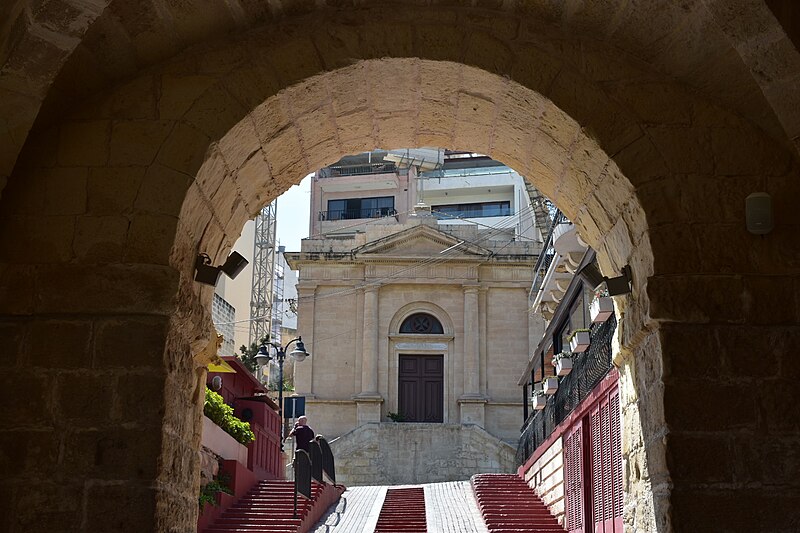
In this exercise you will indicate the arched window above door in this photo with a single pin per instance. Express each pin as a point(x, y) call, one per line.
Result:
point(422, 323)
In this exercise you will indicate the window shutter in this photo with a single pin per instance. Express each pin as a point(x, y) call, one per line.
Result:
point(573, 479)
point(597, 469)
point(616, 463)
point(608, 478)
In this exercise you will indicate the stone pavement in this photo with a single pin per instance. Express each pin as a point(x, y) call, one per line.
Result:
point(450, 508)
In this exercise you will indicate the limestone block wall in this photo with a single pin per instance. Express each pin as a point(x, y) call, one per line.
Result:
point(117, 196)
point(331, 418)
point(404, 453)
point(503, 420)
point(546, 477)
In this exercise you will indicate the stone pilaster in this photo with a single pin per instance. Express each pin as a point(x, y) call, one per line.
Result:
point(472, 402)
point(369, 399)
point(304, 372)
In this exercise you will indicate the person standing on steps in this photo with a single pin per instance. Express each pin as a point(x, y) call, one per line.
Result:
point(302, 433)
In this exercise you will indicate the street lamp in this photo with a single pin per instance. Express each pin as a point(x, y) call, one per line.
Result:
point(263, 358)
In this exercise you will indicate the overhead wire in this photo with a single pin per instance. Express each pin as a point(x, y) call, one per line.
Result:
point(449, 255)
point(431, 261)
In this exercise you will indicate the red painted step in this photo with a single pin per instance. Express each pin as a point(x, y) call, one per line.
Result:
point(268, 508)
point(403, 511)
point(509, 505)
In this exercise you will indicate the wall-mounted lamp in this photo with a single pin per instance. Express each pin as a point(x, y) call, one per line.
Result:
point(758, 213)
point(206, 273)
point(616, 286)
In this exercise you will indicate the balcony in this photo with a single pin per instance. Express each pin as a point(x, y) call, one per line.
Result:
point(562, 253)
point(356, 214)
point(358, 169)
point(588, 370)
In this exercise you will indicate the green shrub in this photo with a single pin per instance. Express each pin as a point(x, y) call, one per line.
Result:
point(221, 414)
point(209, 491)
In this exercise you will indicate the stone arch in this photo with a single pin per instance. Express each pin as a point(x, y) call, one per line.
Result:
point(422, 307)
point(127, 206)
point(77, 38)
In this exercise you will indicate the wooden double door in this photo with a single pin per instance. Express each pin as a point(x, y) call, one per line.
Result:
point(421, 388)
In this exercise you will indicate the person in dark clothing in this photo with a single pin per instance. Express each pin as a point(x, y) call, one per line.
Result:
point(302, 433)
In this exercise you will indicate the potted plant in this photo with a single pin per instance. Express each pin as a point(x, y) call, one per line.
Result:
point(563, 363)
point(579, 340)
point(538, 399)
point(602, 306)
point(396, 417)
point(550, 385)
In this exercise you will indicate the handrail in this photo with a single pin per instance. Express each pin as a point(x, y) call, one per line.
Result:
point(308, 465)
point(588, 369)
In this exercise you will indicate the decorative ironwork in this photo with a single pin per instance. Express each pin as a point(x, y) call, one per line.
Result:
point(547, 255)
point(421, 323)
point(588, 370)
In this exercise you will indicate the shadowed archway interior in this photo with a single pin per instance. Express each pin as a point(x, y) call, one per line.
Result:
point(173, 147)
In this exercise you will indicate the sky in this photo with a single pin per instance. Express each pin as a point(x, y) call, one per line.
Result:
point(293, 212)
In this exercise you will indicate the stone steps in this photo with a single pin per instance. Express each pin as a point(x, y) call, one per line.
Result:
point(403, 511)
point(268, 507)
point(509, 505)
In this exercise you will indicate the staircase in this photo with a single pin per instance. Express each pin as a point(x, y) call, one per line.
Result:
point(403, 510)
point(509, 505)
point(269, 507)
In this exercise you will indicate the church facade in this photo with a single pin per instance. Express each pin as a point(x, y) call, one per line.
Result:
point(421, 326)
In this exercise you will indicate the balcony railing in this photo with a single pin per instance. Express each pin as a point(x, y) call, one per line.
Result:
point(547, 255)
point(494, 211)
point(352, 214)
point(384, 167)
point(588, 370)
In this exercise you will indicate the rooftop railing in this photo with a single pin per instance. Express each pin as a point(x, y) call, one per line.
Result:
point(383, 167)
point(588, 369)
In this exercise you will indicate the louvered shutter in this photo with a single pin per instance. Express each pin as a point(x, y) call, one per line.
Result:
point(573, 479)
point(597, 468)
point(616, 459)
point(606, 459)
point(608, 506)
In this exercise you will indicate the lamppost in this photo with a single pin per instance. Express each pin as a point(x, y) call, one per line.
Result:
point(263, 358)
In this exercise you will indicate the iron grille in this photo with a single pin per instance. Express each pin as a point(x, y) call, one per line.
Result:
point(588, 370)
point(547, 255)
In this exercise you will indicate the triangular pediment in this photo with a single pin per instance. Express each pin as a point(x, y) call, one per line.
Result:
point(421, 241)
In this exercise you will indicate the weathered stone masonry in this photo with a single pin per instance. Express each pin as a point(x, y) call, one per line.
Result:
point(125, 151)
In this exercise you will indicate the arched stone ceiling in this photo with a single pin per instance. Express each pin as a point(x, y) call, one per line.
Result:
point(733, 51)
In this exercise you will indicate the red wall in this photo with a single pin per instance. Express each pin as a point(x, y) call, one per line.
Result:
point(264, 456)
